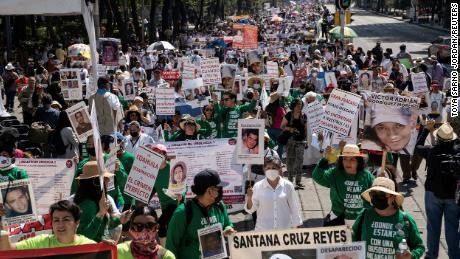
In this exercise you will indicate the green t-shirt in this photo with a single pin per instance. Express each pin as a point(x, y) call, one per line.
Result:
point(211, 127)
point(124, 252)
point(13, 174)
point(126, 160)
point(50, 241)
point(183, 242)
point(383, 234)
point(345, 190)
point(229, 117)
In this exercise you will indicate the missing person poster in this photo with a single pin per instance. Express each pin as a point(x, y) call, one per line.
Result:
point(110, 51)
point(212, 242)
point(71, 85)
point(355, 250)
point(220, 155)
point(419, 82)
point(177, 177)
point(390, 123)
point(80, 121)
point(340, 112)
point(250, 145)
point(364, 80)
point(315, 113)
point(99, 251)
point(298, 243)
point(210, 71)
point(165, 101)
point(129, 89)
point(143, 174)
point(272, 70)
point(245, 36)
point(51, 179)
point(18, 201)
point(331, 80)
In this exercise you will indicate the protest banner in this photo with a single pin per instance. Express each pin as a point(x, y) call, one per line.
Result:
point(110, 50)
point(71, 84)
point(143, 174)
point(298, 243)
point(390, 123)
point(314, 112)
point(18, 201)
point(51, 179)
point(80, 121)
point(19, 232)
point(419, 82)
point(246, 36)
point(219, 156)
point(210, 71)
point(355, 250)
point(150, 91)
point(340, 112)
point(272, 70)
point(128, 89)
point(250, 141)
point(165, 101)
point(212, 242)
point(331, 80)
point(177, 177)
point(364, 80)
point(99, 251)
point(170, 75)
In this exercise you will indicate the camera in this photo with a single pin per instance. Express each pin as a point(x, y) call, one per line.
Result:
point(450, 163)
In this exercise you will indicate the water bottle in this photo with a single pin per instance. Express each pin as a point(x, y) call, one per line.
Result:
point(402, 246)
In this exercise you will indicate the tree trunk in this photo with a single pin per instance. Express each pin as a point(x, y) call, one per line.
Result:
point(121, 24)
point(135, 17)
point(152, 21)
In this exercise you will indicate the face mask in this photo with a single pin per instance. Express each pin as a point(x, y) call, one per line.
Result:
point(379, 202)
point(4, 162)
point(271, 174)
point(144, 237)
point(256, 86)
point(91, 151)
point(134, 134)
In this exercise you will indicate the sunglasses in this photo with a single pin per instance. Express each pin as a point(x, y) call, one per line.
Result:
point(138, 227)
point(378, 194)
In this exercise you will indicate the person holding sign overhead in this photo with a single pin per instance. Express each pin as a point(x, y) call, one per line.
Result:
point(205, 210)
point(346, 182)
point(387, 230)
point(274, 199)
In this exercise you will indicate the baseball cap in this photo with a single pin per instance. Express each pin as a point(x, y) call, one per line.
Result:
point(208, 178)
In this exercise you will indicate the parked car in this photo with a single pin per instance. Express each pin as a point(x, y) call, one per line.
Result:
point(440, 47)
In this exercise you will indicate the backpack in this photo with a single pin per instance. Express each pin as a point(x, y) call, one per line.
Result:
point(361, 220)
point(445, 72)
point(56, 143)
point(39, 132)
point(189, 211)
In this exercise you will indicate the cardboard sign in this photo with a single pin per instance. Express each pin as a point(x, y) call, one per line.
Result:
point(340, 112)
point(80, 121)
point(165, 101)
point(419, 82)
point(143, 174)
point(250, 141)
point(210, 71)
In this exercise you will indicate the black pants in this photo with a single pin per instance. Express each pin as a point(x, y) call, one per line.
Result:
point(166, 215)
point(10, 100)
point(28, 117)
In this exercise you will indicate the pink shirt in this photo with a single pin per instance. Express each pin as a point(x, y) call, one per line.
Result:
point(280, 112)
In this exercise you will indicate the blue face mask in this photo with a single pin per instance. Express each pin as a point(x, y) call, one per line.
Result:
point(102, 91)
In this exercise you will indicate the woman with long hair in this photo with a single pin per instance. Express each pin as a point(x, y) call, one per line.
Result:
point(68, 137)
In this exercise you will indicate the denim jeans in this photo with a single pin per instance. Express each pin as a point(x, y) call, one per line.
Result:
point(435, 209)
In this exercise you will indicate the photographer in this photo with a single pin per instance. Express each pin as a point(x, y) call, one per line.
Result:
point(440, 186)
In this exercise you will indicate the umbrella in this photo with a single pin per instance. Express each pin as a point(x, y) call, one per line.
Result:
point(160, 45)
point(82, 49)
point(348, 33)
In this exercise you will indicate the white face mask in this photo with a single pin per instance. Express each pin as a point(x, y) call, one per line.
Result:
point(271, 174)
point(4, 162)
point(256, 86)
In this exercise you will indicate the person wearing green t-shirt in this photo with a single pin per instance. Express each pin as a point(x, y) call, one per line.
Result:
point(65, 217)
point(143, 229)
point(209, 122)
point(205, 210)
point(229, 113)
point(127, 160)
point(8, 170)
point(167, 203)
point(346, 182)
point(388, 231)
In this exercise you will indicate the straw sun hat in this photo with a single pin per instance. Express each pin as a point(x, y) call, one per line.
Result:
point(351, 150)
point(90, 171)
point(445, 133)
point(386, 185)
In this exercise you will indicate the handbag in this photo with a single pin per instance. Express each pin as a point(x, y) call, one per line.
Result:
point(284, 137)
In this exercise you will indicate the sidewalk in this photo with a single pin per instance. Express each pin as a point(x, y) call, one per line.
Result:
point(400, 18)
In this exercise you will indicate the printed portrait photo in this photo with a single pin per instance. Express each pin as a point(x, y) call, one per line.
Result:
point(178, 173)
point(211, 244)
point(17, 201)
point(250, 140)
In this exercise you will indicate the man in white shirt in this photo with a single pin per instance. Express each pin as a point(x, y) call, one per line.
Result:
point(157, 81)
point(138, 72)
point(136, 139)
